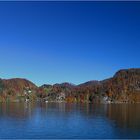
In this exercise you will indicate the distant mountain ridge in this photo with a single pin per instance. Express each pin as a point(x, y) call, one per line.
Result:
point(90, 83)
point(124, 86)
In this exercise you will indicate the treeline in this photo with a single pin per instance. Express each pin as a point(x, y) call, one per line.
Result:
point(124, 86)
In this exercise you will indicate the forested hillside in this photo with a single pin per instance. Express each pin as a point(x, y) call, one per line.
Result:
point(124, 86)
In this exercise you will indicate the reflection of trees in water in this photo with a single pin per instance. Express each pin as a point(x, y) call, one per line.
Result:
point(16, 110)
point(22, 110)
point(125, 115)
point(83, 109)
point(122, 115)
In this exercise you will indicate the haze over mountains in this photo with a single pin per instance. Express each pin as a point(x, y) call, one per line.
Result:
point(124, 86)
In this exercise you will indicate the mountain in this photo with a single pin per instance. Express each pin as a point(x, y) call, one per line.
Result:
point(124, 86)
point(13, 89)
point(65, 85)
point(89, 83)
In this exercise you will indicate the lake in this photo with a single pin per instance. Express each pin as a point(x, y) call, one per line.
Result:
point(66, 120)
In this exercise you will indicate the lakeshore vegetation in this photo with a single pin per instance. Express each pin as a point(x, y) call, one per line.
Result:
point(124, 87)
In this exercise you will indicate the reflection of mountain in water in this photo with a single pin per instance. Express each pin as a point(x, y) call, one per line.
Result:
point(16, 110)
point(124, 115)
point(69, 120)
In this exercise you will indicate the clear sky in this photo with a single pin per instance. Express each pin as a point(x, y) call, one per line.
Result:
point(54, 42)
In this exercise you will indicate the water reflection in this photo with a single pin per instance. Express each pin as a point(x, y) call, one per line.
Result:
point(125, 115)
point(16, 110)
point(66, 120)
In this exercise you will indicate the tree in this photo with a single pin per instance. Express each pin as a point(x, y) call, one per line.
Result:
point(1, 86)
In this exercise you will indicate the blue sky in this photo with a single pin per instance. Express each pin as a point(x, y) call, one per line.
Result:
point(54, 42)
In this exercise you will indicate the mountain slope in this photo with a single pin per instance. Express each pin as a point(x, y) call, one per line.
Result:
point(11, 89)
point(124, 86)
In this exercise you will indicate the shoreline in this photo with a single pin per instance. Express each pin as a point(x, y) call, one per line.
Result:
point(104, 103)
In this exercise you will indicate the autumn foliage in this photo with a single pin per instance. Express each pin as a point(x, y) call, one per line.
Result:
point(124, 86)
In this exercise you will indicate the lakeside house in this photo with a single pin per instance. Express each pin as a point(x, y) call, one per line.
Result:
point(27, 92)
point(60, 96)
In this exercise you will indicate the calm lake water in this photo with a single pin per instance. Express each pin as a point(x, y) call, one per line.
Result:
point(65, 120)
